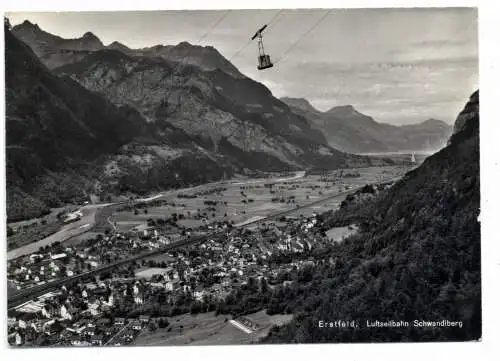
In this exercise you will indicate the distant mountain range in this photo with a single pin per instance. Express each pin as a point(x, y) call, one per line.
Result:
point(55, 51)
point(349, 130)
point(87, 119)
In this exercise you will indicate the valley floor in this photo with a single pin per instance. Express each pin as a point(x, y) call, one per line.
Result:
point(242, 201)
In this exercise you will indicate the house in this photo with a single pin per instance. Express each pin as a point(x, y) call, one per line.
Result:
point(47, 325)
point(19, 340)
point(97, 340)
point(73, 217)
point(108, 331)
point(144, 318)
point(65, 313)
point(127, 336)
point(57, 256)
point(94, 308)
point(137, 326)
point(111, 300)
point(102, 323)
point(22, 324)
point(36, 326)
point(198, 294)
point(169, 286)
point(65, 334)
point(76, 340)
point(89, 331)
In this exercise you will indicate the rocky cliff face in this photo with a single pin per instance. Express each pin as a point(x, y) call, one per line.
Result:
point(204, 57)
point(468, 115)
point(110, 120)
point(56, 51)
point(349, 130)
point(196, 89)
point(233, 116)
point(64, 141)
point(53, 50)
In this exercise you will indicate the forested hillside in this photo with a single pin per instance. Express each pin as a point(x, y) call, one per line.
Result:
point(417, 257)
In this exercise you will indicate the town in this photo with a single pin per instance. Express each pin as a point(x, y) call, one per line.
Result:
point(114, 306)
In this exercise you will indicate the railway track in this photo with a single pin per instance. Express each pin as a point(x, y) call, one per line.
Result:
point(36, 291)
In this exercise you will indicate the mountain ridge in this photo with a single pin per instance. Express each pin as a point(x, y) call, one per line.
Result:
point(352, 131)
point(212, 105)
point(64, 141)
point(56, 51)
point(202, 123)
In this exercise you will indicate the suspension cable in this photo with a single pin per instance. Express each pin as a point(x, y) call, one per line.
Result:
point(303, 36)
point(269, 24)
point(219, 20)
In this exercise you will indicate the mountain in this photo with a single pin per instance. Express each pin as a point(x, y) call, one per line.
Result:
point(232, 116)
point(115, 45)
point(52, 49)
point(351, 131)
point(56, 51)
point(300, 103)
point(466, 116)
point(205, 96)
point(417, 256)
point(107, 122)
point(64, 141)
point(205, 57)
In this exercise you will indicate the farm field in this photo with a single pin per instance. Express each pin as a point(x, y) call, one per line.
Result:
point(236, 201)
point(209, 329)
point(241, 201)
point(337, 234)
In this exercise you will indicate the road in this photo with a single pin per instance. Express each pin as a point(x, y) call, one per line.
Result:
point(33, 292)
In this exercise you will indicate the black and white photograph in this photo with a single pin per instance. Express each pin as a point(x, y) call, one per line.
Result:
point(242, 177)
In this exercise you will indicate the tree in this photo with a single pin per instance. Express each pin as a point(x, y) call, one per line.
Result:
point(152, 326)
point(163, 322)
point(264, 287)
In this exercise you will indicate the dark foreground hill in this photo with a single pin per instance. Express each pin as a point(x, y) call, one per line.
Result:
point(416, 257)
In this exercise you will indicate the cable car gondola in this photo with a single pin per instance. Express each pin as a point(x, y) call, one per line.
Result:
point(263, 59)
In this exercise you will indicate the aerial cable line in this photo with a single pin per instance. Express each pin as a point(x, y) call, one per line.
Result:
point(303, 36)
point(250, 41)
point(275, 17)
point(181, 62)
point(219, 20)
point(226, 13)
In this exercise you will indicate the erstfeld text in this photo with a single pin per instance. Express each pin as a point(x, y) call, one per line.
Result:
point(337, 324)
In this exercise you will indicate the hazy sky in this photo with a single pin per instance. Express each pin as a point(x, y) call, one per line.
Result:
point(398, 65)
